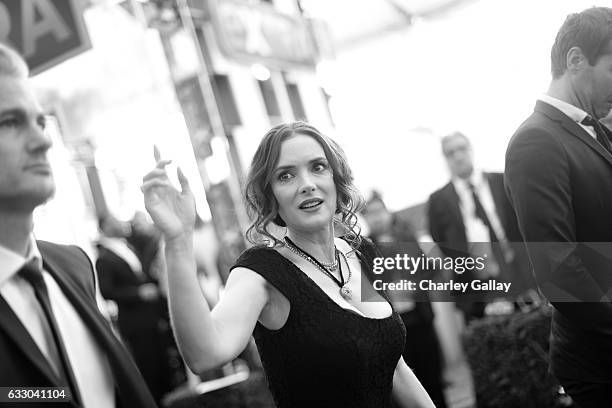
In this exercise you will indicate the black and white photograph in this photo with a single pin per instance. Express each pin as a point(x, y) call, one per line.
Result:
point(305, 204)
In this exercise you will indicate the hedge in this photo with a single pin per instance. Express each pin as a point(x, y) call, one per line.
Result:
point(509, 360)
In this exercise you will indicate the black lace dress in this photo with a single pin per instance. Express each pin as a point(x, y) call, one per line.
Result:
point(324, 355)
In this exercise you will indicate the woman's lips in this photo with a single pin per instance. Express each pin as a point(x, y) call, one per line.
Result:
point(310, 204)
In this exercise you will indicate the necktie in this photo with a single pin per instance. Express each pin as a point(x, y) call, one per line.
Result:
point(481, 213)
point(602, 137)
point(34, 277)
point(496, 247)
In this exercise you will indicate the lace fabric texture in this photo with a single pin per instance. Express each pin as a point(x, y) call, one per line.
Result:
point(324, 355)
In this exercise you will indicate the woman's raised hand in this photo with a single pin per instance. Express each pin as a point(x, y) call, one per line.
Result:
point(172, 211)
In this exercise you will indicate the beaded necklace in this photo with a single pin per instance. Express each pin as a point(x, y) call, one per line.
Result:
point(345, 292)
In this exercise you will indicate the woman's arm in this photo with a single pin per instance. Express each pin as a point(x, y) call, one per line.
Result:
point(206, 339)
point(407, 390)
point(210, 339)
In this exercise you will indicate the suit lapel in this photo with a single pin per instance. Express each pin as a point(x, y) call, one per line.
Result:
point(16, 330)
point(573, 128)
point(131, 392)
point(91, 317)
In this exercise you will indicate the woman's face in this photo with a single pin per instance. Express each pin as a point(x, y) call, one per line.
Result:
point(303, 185)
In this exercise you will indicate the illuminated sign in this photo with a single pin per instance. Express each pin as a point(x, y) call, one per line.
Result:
point(45, 32)
point(258, 33)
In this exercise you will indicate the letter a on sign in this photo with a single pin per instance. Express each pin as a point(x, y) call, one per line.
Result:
point(46, 32)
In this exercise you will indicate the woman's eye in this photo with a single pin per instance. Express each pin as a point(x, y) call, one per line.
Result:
point(284, 176)
point(319, 167)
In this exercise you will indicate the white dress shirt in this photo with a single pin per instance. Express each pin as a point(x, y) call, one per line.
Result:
point(476, 231)
point(475, 228)
point(88, 360)
point(574, 113)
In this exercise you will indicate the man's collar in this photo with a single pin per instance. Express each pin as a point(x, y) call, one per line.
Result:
point(11, 262)
point(34, 253)
point(573, 112)
point(475, 179)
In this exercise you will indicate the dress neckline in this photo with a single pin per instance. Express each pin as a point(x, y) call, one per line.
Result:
point(317, 288)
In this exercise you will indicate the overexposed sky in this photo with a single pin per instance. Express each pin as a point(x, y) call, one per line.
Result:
point(478, 69)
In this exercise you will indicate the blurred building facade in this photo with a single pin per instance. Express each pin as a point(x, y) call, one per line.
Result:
point(204, 80)
point(239, 68)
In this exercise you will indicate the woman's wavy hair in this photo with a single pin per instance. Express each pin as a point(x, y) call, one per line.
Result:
point(261, 203)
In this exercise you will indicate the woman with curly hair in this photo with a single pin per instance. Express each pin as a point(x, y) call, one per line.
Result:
point(297, 293)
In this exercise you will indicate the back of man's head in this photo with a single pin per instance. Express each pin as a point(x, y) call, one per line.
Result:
point(11, 63)
point(590, 30)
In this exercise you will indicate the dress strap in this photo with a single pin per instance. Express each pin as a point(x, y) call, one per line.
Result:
point(272, 266)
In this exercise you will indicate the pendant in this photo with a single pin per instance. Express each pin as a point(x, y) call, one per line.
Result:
point(346, 292)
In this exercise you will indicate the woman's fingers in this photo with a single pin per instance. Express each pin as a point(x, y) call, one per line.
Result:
point(162, 163)
point(159, 163)
point(155, 173)
point(158, 177)
point(156, 153)
point(183, 180)
point(153, 183)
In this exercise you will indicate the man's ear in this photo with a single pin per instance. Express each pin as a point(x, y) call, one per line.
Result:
point(576, 60)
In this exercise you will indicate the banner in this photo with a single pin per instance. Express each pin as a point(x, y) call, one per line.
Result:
point(45, 32)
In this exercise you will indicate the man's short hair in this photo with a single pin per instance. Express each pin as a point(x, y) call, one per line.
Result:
point(590, 30)
point(453, 135)
point(12, 64)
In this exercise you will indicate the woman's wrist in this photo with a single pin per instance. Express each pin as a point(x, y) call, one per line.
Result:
point(181, 242)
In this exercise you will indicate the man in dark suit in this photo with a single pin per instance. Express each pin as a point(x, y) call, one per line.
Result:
point(51, 331)
point(473, 208)
point(559, 179)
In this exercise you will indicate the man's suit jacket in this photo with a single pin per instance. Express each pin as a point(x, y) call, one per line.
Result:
point(118, 281)
point(559, 180)
point(446, 222)
point(23, 364)
point(447, 228)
